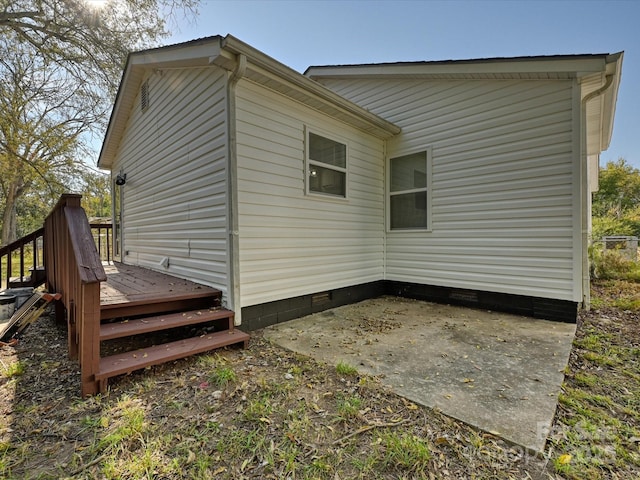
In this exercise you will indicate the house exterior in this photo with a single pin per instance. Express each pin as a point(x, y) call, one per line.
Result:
point(461, 181)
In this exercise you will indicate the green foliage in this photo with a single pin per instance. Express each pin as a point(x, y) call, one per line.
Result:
point(348, 406)
point(618, 189)
point(60, 64)
point(13, 370)
point(222, 376)
point(343, 368)
point(405, 451)
point(616, 204)
point(607, 226)
point(612, 265)
point(96, 194)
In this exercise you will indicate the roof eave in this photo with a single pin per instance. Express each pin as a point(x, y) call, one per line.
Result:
point(613, 67)
point(357, 115)
point(223, 51)
point(556, 64)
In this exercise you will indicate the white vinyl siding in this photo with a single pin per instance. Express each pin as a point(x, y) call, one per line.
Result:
point(174, 155)
point(292, 243)
point(503, 197)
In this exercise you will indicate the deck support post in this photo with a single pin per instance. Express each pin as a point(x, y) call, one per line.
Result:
point(90, 338)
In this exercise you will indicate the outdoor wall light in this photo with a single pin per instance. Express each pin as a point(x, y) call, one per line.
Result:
point(313, 173)
point(121, 179)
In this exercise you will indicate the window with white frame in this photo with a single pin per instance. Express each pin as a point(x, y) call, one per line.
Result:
point(409, 191)
point(326, 166)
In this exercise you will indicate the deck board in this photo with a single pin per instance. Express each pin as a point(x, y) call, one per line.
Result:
point(128, 362)
point(131, 286)
point(109, 331)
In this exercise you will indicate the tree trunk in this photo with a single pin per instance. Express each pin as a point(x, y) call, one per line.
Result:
point(9, 216)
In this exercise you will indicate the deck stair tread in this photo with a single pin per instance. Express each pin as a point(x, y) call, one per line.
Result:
point(128, 362)
point(125, 328)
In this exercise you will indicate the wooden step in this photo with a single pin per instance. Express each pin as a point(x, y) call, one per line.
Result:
point(109, 331)
point(153, 304)
point(130, 361)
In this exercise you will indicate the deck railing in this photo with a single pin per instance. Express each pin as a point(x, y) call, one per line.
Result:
point(74, 268)
point(102, 238)
point(21, 262)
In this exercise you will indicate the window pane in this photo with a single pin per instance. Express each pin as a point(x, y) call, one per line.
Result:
point(409, 210)
point(327, 151)
point(325, 180)
point(409, 172)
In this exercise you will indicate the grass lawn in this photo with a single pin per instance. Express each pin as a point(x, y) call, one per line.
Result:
point(265, 412)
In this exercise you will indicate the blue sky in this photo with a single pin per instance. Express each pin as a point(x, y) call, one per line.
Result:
point(306, 32)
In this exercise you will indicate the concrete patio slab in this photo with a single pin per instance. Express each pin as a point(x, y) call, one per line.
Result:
point(501, 373)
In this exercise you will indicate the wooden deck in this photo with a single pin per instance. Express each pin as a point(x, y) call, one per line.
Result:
point(131, 290)
point(152, 317)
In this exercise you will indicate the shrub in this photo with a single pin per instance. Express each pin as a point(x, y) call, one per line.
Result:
point(612, 265)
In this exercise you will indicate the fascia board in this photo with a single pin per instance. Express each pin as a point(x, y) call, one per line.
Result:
point(614, 67)
point(463, 67)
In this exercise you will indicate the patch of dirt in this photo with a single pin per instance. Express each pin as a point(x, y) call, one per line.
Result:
point(375, 325)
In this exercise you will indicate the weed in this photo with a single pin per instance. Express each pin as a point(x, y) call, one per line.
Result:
point(404, 450)
point(129, 426)
point(632, 304)
point(321, 467)
point(257, 410)
point(238, 443)
point(276, 389)
point(476, 440)
point(562, 464)
point(601, 360)
point(211, 361)
point(147, 384)
point(348, 407)
point(222, 376)
point(592, 341)
point(13, 370)
point(585, 379)
point(343, 368)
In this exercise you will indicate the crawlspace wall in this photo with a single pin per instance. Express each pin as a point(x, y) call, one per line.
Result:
point(293, 244)
point(504, 211)
point(174, 155)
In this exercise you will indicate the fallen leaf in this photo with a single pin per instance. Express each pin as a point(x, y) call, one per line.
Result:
point(564, 459)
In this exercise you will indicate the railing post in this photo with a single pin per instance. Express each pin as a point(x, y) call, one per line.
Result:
point(9, 269)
